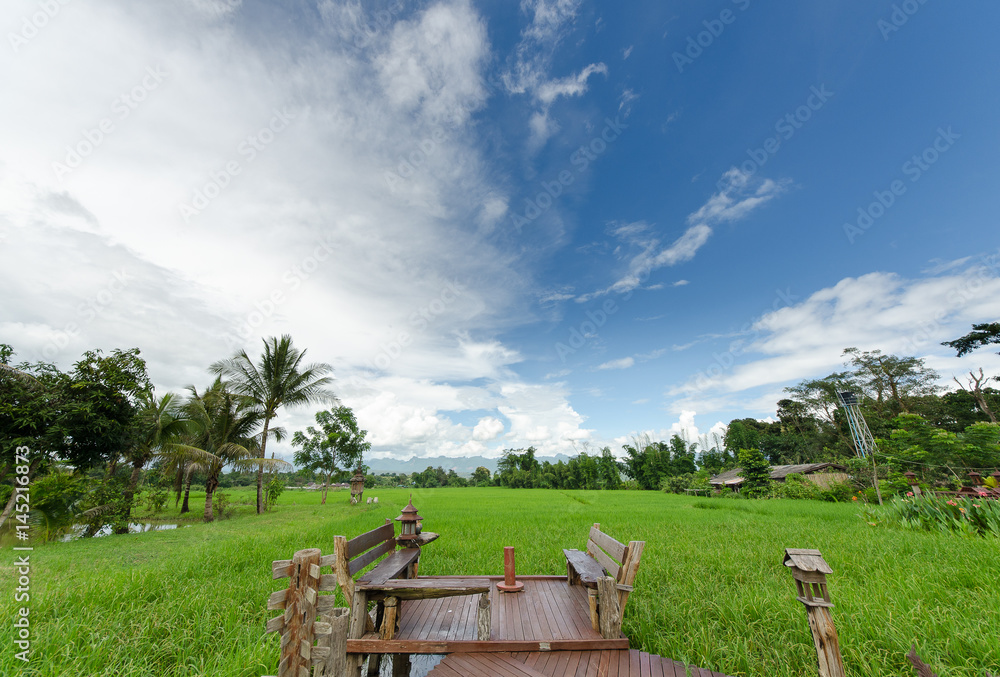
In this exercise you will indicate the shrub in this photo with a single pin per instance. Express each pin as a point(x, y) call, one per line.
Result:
point(678, 484)
point(968, 516)
point(838, 492)
point(156, 500)
point(798, 487)
point(220, 504)
point(756, 472)
point(272, 491)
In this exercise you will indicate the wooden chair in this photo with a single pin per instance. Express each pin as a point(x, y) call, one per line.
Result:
point(604, 557)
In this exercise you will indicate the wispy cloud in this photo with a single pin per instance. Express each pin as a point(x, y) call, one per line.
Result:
point(738, 196)
point(875, 311)
point(551, 22)
point(623, 363)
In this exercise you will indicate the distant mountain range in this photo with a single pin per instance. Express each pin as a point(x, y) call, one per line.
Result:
point(464, 465)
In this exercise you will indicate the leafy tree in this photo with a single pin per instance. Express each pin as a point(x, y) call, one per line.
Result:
point(981, 335)
point(481, 476)
point(158, 422)
point(223, 426)
point(935, 453)
point(744, 433)
point(337, 445)
point(891, 381)
point(279, 379)
point(756, 472)
point(609, 470)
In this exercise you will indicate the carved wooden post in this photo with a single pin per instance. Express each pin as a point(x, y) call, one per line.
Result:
point(298, 625)
point(809, 570)
point(336, 662)
point(483, 618)
point(609, 613)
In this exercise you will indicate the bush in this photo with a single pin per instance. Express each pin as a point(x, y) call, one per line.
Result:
point(968, 516)
point(838, 492)
point(272, 491)
point(221, 502)
point(156, 500)
point(678, 484)
point(756, 472)
point(798, 487)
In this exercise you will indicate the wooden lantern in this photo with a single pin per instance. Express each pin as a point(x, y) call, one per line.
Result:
point(809, 570)
point(357, 486)
point(408, 520)
point(976, 478)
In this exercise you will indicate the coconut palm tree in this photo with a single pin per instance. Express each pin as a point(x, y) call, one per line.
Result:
point(222, 432)
point(279, 379)
point(159, 422)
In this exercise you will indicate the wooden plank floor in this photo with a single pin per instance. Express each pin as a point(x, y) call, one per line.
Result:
point(549, 614)
point(612, 663)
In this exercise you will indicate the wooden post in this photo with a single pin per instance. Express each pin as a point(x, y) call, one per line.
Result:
point(809, 570)
point(592, 603)
point(298, 625)
point(359, 619)
point(483, 618)
point(390, 617)
point(609, 613)
point(336, 661)
point(401, 665)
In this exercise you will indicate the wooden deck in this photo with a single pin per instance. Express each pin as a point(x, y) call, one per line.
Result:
point(543, 631)
point(549, 615)
point(613, 663)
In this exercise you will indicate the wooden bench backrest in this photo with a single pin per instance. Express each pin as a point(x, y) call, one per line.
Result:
point(370, 547)
point(621, 561)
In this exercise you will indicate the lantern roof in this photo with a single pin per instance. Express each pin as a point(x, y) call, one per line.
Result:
point(409, 513)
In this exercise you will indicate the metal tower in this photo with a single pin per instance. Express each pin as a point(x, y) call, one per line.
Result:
point(864, 443)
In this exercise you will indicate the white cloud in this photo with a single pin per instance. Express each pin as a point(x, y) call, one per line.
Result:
point(488, 428)
point(623, 363)
point(739, 194)
point(529, 73)
point(875, 311)
point(627, 52)
point(397, 283)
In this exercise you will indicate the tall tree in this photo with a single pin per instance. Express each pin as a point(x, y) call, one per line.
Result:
point(337, 445)
point(981, 335)
point(279, 379)
point(158, 422)
point(891, 381)
point(223, 426)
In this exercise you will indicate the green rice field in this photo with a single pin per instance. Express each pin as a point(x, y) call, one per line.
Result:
point(711, 589)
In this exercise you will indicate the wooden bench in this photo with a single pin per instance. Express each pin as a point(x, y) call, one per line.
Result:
point(604, 557)
point(394, 578)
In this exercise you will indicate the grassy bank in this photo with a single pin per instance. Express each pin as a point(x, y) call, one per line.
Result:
point(711, 589)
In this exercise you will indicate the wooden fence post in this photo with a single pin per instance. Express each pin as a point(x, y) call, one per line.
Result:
point(608, 611)
point(298, 625)
point(809, 570)
point(336, 661)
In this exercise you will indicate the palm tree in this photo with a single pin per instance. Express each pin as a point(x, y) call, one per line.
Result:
point(222, 433)
point(159, 422)
point(279, 379)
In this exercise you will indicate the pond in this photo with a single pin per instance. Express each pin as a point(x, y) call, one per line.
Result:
point(133, 528)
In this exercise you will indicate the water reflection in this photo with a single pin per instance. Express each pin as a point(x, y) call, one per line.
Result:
point(133, 528)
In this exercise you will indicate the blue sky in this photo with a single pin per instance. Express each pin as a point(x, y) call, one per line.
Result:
point(554, 222)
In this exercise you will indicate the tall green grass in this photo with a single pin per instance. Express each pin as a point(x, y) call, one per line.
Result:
point(711, 589)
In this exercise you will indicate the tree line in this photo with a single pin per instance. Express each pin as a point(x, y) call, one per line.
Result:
point(93, 434)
